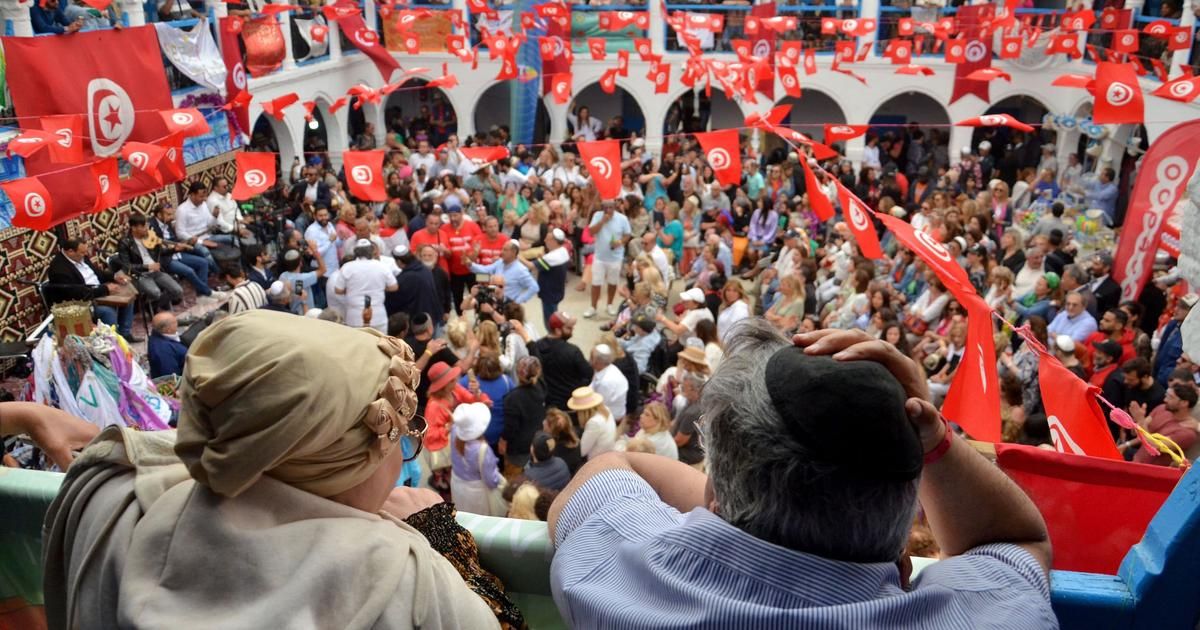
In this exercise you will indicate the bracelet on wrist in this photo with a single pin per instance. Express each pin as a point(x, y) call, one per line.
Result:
point(940, 450)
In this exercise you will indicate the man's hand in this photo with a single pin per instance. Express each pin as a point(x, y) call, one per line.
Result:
point(366, 316)
point(1138, 412)
point(404, 502)
point(154, 266)
point(56, 432)
point(857, 345)
point(121, 278)
point(435, 346)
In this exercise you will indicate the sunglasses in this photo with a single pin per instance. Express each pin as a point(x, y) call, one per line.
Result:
point(416, 432)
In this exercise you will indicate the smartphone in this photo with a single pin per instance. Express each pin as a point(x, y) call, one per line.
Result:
point(299, 287)
point(366, 301)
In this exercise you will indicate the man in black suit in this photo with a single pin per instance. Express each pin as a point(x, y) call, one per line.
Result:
point(310, 189)
point(148, 264)
point(71, 276)
point(1106, 290)
point(417, 292)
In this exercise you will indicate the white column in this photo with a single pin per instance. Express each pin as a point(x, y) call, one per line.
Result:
point(369, 15)
point(18, 15)
point(285, 24)
point(133, 12)
point(870, 8)
point(558, 119)
point(1180, 57)
point(658, 24)
point(334, 38)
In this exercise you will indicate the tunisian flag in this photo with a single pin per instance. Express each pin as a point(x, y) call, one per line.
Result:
point(107, 179)
point(974, 397)
point(364, 174)
point(835, 133)
point(603, 161)
point(1076, 496)
point(977, 52)
point(31, 201)
point(763, 47)
point(364, 38)
point(255, 174)
point(115, 79)
point(936, 257)
point(1077, 425)
point(858, 218)
point(235, 76)
point(817, 200)
point(1161, 182)
point(1118, 95)
point(722, 153)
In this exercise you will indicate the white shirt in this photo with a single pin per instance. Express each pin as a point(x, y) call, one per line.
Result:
point(1026, 279)
point(85, 270)
point(568, 176)
point(870, 156)
point(659, 257)
point(312, 190)
point(417, 160)
point(590, 130)
point(228, 214)
point(361, 278)
point(192, 221)
point(599, 436)
point(612, 387)
point(693, 317)
point(380, 246)
point(731, 315)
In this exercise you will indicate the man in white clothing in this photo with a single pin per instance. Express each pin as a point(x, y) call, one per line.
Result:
point(657, 255)
point(226, 214)
point(1028, 276)
point(611, 231)
point(568, 172)
point(193, 224)
point(362, 282)
point(423, 157)
point(608, 381)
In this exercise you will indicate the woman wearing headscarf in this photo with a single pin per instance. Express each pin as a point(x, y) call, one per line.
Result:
point(476, 479)
point(273, 504)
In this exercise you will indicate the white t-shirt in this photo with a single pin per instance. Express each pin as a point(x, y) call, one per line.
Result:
point(361, 278)
point(732, 314)
point(659, 257)
point(693, 317)
point(617, 228)
point(417, 160)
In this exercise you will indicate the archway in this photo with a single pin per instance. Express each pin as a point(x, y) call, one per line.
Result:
point(272, 136)
point(519, 110)
point(902, 116)
point(607, 107)
point(695, 110)
point(1025, 147)
point(420, 113)
point(811, 112)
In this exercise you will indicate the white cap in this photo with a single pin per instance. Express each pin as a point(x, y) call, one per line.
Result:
point(362, 242)
point(603, 350)
point(400, 250)
point(985, 145)
point(693, 294)
point(1065, 344)
point(515, 243)
point(965, 150)
point(276, 289)
point(471, 420)
point(314, 313)
point(558, 235)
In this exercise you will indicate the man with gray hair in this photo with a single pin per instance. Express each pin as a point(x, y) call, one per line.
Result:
point(817, 455)
point(608, 381)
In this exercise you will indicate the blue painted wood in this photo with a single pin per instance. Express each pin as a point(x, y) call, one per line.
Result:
point(1163, 570)
point(1090, 601)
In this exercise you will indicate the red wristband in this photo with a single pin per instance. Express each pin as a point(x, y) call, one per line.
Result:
point(943, 446)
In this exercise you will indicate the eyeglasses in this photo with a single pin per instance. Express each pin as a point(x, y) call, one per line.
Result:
point(416, 431)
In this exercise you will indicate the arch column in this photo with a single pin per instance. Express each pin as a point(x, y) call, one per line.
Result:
point(336, 140)
point(558, 120)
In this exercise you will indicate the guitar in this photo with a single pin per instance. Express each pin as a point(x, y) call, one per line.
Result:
point(153, 240)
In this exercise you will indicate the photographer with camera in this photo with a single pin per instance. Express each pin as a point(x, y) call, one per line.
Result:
point(519, 285)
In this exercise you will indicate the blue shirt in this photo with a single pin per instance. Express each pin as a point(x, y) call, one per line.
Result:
point(627, 560)
point(616, 228)
point(1079, 328)
point(640, 347)
point(519, 285)
point(1101, 195)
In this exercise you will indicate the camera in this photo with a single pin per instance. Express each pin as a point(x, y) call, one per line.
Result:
point(489, 295)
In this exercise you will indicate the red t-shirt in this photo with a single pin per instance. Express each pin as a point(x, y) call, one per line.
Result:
point(460, 241)
point(421, 238)
point(489, 249)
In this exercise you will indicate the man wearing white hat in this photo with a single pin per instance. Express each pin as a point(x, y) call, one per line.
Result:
point(363, 282)
point(551, 269)
point(519, 285)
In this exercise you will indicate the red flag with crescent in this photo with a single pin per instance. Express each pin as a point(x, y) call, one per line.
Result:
point(603, 160)
point(364, 174)
point(977, 51)
point(255, 174)
point(722, 153)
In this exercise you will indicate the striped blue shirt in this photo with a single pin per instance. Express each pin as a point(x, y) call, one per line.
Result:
point(627, 560)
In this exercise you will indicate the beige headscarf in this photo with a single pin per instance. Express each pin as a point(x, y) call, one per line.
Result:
point(313, 404)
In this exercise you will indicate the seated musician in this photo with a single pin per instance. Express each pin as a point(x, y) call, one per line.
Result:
point(72, 276)
point(184, 262)
point(143, 255)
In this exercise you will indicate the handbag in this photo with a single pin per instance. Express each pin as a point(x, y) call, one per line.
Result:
point(497, 506)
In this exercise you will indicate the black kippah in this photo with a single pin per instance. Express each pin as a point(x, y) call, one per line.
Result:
point(849, 413)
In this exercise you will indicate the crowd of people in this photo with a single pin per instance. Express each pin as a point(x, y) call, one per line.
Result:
point(694, 288)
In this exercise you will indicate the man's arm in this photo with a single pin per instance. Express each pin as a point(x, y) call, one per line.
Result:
point(969, 501)
point(676, 483)
point(530, 288)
